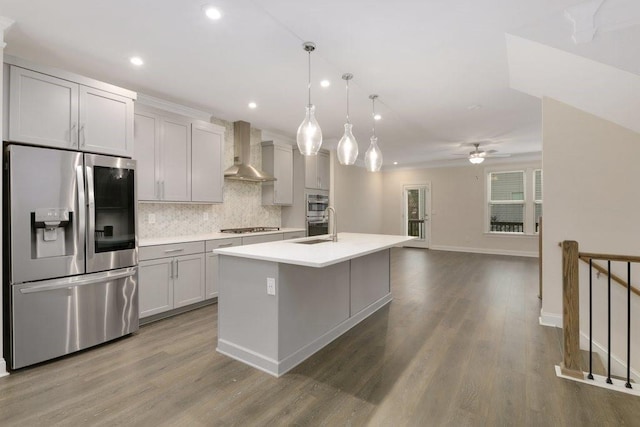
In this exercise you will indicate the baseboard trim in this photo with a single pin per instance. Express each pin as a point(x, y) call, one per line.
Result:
point(550, 319)
point(600, 381)
point(278, 368)
point(618, 366)
point(3, 368)
point(484, 251)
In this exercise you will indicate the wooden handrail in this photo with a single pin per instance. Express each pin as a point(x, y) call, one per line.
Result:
point(610, 257)
point(585, 256)
point(614, 276)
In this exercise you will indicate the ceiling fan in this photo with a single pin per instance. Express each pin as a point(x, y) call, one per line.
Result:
point(477, 156)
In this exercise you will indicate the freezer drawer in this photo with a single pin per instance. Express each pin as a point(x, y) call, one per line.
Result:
point(55, 317)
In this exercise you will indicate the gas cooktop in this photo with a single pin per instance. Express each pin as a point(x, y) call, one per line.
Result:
point(249, 230)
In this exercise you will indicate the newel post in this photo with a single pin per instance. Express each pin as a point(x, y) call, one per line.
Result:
point(571, 358)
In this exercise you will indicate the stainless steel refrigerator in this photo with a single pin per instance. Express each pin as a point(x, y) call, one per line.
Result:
point(71, 238)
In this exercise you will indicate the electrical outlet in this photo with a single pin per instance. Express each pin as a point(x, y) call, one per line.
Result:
point(205, 216)
point(152, 218)
point(271, 286)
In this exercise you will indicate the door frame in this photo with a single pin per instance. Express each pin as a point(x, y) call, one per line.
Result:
point(427, 212)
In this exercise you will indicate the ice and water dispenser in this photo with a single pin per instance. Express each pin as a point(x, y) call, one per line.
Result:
point(51, 232)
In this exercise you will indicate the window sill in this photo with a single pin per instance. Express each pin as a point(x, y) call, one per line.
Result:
point(506, 234)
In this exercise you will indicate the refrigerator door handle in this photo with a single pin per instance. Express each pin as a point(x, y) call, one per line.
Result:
point(81, 213)
point(70, 282)
point(91, 205)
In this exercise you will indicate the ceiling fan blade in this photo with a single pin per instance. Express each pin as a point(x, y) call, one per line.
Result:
point(495, 156)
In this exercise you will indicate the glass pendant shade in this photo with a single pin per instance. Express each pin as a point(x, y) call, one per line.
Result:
point(373, 156)
point(309, 136)
point(347, 147)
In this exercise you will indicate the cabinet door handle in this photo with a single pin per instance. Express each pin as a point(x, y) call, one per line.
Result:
point(170, 251)
point(162, 197)
point(177, 269)
point(226, 245)
point(171, 274)
point(83, 140)
point(73, 135)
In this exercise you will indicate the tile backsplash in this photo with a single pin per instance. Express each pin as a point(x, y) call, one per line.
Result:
point(242, 205)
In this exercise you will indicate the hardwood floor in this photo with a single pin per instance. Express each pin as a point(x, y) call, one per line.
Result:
point(459, 345)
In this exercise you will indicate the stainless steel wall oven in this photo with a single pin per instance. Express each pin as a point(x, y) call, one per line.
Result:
point(317, 220)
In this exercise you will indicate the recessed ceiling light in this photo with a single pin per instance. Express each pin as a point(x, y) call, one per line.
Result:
point(136, 60)
point(377, 117)
point(325, 83)
point(253, 105)
point(474, 107)
point(212, 13)
point(395, 163)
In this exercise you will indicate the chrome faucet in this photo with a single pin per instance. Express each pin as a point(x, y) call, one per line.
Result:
point(334, 234)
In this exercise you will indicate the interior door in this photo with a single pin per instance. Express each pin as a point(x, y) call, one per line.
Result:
point(416, 213)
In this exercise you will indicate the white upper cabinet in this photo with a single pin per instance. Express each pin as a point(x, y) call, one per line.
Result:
point(277, 160)
point(106, 122)
point(146, 153)
point(58, 112)
point(175, 159)
point(179, 158)
point(207, 143)
point(316, 171)
point(43, 110)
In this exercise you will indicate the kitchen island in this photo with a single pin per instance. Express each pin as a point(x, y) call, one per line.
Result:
point(280, 302)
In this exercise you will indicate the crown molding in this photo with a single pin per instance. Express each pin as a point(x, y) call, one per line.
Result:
point(151, 101)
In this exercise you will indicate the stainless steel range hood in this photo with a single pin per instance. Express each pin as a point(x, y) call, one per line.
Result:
point(242, 170)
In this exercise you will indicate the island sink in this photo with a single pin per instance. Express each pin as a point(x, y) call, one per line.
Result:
point(313, 241)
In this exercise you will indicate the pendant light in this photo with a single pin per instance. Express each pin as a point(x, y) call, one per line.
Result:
point(373, 156)
point(348, 146)
point(309, 136)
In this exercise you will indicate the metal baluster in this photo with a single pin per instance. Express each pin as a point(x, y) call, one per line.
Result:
point(609, 323)
point(590, 376)
point(628, 384)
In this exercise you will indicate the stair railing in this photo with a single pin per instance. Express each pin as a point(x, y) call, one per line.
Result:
point(571, 364)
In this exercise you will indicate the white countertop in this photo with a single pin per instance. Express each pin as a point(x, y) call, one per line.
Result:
point(348, 246)
point(208, 236)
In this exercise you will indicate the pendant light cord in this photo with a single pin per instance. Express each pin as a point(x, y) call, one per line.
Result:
point(309, 85)
point(373, 116)
point(348, 101)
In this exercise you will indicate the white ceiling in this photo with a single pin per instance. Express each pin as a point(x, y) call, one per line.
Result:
point(428, 61)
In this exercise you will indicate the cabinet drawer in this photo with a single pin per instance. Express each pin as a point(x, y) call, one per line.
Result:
point(175, 249)
point(223, 243)
point(293, 235)
point(250, 240)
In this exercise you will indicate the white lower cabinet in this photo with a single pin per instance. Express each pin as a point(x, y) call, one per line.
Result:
point(180, 274)
point(168, 282)
point(211, 273)
point(188, 285)
point(156, 286)
point(293, 235)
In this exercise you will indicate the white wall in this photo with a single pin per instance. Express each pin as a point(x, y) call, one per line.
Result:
point(357, 196)
point(591, 193)
point(457, 209)
point(5, 23)
point(592, 196)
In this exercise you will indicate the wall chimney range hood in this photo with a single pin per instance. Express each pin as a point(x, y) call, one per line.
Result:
point(242, 170)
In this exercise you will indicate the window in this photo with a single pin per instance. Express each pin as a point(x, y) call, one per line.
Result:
point(512, 205)
point(537, 198)
point(506, 202)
